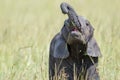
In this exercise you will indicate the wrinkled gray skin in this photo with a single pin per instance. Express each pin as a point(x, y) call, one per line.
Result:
point(73, 51)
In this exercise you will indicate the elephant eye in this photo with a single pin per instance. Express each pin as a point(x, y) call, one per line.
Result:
point(87, 23)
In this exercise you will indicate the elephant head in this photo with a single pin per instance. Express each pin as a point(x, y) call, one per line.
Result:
point(76, 29)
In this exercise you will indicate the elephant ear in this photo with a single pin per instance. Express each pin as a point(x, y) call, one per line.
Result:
point(93, 48)
point(60, 48)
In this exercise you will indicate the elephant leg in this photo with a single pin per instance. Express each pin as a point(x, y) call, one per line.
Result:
point(66, 70)
point(91, 72)
point(59, 69)
point(51, 67)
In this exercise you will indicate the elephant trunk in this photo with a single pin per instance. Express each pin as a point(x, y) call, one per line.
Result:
point(73, 17)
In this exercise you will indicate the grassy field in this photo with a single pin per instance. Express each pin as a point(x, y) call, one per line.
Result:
point(27, 27)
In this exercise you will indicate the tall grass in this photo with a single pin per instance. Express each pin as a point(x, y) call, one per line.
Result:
point(27, 26)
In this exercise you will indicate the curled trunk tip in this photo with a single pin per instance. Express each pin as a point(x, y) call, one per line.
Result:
point(66, 8)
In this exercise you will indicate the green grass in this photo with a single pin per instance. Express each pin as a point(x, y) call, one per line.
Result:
point(27, 27)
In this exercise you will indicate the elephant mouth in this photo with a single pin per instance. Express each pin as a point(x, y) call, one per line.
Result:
point(75, 30)
point(76, 35)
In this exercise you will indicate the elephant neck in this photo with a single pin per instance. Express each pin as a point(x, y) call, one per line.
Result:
point(77, 49)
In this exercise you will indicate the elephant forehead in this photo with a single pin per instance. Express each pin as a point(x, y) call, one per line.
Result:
point(82, 20)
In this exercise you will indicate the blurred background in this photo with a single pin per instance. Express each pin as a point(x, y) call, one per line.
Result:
point(27, 27)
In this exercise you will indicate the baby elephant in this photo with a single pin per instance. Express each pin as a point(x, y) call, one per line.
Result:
point(73, 51)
